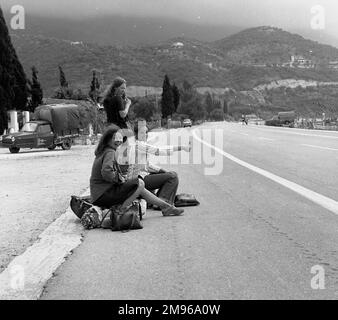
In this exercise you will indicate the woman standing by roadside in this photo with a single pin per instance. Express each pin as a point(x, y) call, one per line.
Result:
point(116, 105)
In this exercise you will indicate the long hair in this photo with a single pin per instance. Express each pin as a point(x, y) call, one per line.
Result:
point(110, 92)
point(106, 139)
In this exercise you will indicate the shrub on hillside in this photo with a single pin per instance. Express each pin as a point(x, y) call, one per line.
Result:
point(145, 108)
point(192, 103)
point(217, 115)
point(69, 94)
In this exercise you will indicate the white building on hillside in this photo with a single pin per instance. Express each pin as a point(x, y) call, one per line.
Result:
point(301, 62)
point(177, 45)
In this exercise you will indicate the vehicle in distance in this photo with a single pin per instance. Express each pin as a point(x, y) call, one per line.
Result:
point(286, 118)
point(187, 123)
point(55, 125)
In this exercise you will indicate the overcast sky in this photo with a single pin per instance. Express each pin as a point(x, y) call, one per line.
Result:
point(287, 14)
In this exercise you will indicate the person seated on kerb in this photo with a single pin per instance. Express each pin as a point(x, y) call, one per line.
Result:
point(136, 157)
point(109, 186)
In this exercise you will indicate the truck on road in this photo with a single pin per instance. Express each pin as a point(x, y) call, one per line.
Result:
point(53, 126)
point(286, 118)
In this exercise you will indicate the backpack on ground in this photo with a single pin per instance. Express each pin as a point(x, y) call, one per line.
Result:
point(93, 217)
point(185, 200)
point(80, 205)
point(126, 220)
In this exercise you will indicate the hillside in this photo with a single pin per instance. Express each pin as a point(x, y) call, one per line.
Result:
point(308, 101)
point(123, 30)
point(249, 59)
point(269, 45)
point(140, 65)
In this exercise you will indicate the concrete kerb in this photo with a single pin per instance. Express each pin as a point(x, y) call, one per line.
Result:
point(26, 275)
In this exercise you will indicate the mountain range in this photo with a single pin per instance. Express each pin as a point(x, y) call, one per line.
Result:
point(123, 30)
point(241, 61)
point(117, 29)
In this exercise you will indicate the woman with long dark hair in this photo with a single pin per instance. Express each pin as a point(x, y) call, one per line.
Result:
point(116, 104)
point(109, 186)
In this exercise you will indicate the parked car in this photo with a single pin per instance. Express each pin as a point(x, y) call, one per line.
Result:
point(187, 123)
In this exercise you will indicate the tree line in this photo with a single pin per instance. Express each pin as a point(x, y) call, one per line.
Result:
point(186, 102)
point(20, 93)
point(179, 102)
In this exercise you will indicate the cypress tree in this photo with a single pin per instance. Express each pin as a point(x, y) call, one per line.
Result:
point(167, 103)
point(35, 90)
point(209, 103)
point(63, 81)
point(3, 110)
point(176, 96)
point(226, 107)
point(63, 91)
point(192, 102)
point(13, 82)
point(94, 88)
point(217, 104)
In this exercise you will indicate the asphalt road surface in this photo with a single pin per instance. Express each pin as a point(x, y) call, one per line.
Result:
point(267, 226)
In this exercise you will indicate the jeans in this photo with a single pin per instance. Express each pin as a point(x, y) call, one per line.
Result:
point(167, 183)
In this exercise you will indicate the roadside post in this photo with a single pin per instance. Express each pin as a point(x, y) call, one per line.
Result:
point(13, 120)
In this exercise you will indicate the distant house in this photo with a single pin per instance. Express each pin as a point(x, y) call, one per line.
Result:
point(76, 43)
point(333, 64)
point(301, 62)
point(177, 45)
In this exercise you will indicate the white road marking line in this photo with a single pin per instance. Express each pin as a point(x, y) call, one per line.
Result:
point(318, 147)
point(315, 197)
point(298, 133)
point(243, 134)
point(26, 275)
point(267, 139)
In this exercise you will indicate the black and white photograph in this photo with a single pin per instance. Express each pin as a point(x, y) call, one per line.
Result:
point(156, 150)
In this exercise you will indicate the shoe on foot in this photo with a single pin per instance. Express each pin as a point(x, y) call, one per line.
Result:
point(172, 211)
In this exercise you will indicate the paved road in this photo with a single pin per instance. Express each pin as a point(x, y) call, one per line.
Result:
point(252, 237)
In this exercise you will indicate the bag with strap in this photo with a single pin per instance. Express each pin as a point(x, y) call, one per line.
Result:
point(129, 219)
point(80, 205)
point(186, 200)
point(95, 217)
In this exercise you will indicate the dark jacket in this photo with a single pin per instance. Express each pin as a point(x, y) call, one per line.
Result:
point(104, 174)
point(113, 106)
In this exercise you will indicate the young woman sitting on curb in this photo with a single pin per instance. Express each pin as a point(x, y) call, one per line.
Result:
point(108, 185)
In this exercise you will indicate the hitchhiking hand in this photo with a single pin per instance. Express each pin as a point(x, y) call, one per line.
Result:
point(188, 147)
